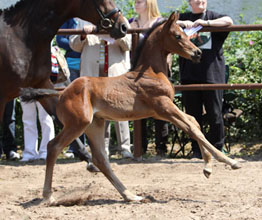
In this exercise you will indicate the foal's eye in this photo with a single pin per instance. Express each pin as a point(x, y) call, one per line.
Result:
point(178, 37)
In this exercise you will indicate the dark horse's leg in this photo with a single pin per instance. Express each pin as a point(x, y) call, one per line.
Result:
point(2, 109)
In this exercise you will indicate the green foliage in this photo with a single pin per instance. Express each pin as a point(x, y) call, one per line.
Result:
point(127, 8)
point(243, 55)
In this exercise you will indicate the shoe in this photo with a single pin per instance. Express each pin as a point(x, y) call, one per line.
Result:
point(69, 155)
point(161, 153)
point(126, 154)
point(197, 155)
point(13, 155)
point(24, 159)
point(42, 158)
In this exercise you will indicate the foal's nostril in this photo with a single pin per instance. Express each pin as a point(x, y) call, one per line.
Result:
point(198, 53)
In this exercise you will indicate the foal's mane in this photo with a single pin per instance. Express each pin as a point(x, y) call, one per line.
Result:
point(142, 43)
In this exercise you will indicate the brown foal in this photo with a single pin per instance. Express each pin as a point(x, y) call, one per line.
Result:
point(143, 92)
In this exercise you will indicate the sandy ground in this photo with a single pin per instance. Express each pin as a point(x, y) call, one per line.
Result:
point(174, 188)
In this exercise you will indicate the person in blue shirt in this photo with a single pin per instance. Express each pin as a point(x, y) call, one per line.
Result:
point(73, 61)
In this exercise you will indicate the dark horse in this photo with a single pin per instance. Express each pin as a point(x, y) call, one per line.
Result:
point(26, 30)
point(143, 92)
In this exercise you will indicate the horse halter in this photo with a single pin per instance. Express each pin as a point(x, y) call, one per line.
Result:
point(106, 21)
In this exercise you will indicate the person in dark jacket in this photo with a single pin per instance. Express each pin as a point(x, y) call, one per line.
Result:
point(211, 69)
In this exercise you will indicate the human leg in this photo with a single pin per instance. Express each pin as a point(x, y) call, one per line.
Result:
point(30, 131)
point(107, 137)
point(123, 138)
point(144, 135)
point(9, 142)
point(47, 129)
point(213, 101)
point(161, 136)
point(192, 100)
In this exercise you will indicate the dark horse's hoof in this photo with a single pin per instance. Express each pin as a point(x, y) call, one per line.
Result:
point(92, 168)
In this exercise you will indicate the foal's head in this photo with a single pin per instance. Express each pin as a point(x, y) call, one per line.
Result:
point(176, 41)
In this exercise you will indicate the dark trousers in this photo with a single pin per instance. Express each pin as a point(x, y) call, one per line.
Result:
point(8, 142)
point(212, 101)
point(161, 135)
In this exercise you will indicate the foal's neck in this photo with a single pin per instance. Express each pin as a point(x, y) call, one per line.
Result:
point(153, 55)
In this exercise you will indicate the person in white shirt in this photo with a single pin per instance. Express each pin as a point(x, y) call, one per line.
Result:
point(104, 56)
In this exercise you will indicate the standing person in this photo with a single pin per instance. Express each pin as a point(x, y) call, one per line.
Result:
point(73, 62)
point(8, 143)
point(211, 69)
point(148, 15)
point(104, 56)
point(29, 118)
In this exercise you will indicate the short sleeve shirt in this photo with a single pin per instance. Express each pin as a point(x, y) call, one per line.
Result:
point(211, 68)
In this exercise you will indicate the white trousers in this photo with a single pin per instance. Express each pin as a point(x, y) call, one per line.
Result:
point(31, 132)
point(122, 134)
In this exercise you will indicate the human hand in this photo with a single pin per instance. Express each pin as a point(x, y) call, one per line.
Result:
point(88, 29)
point(201, 22)
point(185, 24)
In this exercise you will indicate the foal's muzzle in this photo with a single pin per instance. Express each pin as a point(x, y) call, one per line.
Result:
point(197, 56)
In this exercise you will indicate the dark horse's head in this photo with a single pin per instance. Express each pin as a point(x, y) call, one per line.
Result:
point(105, 15)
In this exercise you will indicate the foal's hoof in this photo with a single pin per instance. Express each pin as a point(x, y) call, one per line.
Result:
point(236, 166)
point(135, 199)
point(49, 201)
point(130, 197)
point(207, 172)
point(92, 168)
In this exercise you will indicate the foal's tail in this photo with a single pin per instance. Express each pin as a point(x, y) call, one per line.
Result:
point(32, 94)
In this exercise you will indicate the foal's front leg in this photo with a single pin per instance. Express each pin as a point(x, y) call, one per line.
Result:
point(95, 133)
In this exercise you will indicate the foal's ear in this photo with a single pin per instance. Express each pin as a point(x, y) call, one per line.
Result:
point(171, 18)
point(177, 15)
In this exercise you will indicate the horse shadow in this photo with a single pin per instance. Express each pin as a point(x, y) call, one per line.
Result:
point(88, 201)
point(17, 163)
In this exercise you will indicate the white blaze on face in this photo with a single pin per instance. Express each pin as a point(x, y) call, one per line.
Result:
point(4, 4)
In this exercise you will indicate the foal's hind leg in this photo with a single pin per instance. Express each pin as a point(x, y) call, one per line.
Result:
point(170, 112)
point(95, 133)
point(54, 148)
point(49, 105)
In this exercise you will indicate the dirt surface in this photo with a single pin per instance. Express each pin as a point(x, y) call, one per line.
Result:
point(173, 188)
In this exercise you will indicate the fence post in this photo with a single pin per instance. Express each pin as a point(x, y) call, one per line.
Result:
point(137, 139)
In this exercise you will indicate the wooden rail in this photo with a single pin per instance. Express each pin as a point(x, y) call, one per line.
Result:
point(217, 86)
point(247, 27)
